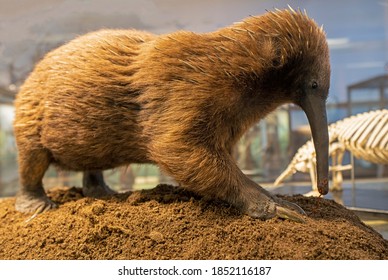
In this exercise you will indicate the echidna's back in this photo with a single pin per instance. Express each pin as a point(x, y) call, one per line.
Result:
point(75, 85)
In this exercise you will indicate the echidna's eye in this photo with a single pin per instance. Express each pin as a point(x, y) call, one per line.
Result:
point(314, 85)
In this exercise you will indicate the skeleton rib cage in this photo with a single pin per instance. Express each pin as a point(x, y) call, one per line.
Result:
point(365, 135)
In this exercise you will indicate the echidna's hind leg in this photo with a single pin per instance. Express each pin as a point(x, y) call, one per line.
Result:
point(31, 197)
point(93, 184)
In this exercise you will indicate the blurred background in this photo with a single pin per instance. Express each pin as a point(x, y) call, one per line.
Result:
point(357, 32)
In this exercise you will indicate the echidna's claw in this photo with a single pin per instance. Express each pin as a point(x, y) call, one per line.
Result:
point(290, 211)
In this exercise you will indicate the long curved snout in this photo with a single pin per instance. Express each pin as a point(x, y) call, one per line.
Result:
point(315, 108)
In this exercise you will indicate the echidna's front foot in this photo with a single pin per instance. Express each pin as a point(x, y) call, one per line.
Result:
point(33, 202)
point(266, 207)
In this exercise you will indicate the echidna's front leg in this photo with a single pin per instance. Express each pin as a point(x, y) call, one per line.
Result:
point(215, 174)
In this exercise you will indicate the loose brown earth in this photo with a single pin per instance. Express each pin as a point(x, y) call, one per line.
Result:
point(170, 223)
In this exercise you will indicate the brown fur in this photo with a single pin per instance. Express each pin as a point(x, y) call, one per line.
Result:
point(180, 100)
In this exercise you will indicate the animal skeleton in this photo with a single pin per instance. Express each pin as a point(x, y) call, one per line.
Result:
point(364, 135)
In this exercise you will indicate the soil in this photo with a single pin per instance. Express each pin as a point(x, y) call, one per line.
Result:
point(170, 223)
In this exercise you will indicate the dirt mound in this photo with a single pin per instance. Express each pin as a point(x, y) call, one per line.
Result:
point(171, 223)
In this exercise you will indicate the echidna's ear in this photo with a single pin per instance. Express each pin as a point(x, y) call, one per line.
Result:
point(278, 56)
